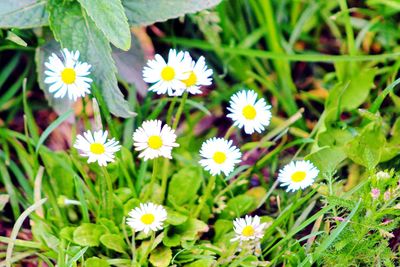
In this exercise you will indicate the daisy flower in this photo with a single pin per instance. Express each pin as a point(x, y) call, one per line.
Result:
point(97, 147)
point(219, 155)
point(199, 75)
point(148, 217)
point(248, 112)
point(298, 174)
point(67, 75)
point(167, 76)
point(248, 228)
point(153, 140)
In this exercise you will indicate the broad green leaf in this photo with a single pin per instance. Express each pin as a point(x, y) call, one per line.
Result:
point(221, 228)
point(68, 233)
point(110, 18)
point(23, 14)
point(191, 229)
point(352, 92)
point(161, 257)
point(171, 239)
point(202, 263)
point(96, 262)
point(238, 206)
point(327, 159)
point(88, 234)
point(144, 12)
point(184, 185)
point(175, 218)
point(366, 148)
point(75, 30)
point(114, 242)
point(109, 224)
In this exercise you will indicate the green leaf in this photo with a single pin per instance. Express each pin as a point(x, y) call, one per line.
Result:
point(175, 218)
point(191, 229)
point(327, 159)
point(352, 92)
point(238, 206)
point(161, 257)
point(143, 12)
point(221, 228)
point(110, 18)
point(67, 233)
point(184, 185)
point(74, 29)
point(109, 224)
point(23, 14)
point(88, 234)
point(202, 263)
point(366, 148)
point(113, 242)
point(96, 262)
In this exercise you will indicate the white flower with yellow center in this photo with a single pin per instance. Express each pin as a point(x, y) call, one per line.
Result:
point(248, 228)
point(153, 140)
point(199, 75)
point(248, 112)
point(219, 155)
point(298, 174)
point(167, 77)
point(96, 147)
point(67, 76)
point(147, 217)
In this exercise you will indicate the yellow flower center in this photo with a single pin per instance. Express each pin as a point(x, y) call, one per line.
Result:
point(97, 148)
point(191, 80)
point(219, 157)
point(155, 142)
point(249, 112)
point(168, 73)
point(248, 231)
point(68, 75)
point(298, 176)
point(147, 218)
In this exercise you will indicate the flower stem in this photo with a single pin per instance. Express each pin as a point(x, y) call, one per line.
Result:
point(180, 110)
point(229, 132)
point(153, 179)
point(107, 192)
point(148, 249)
point(207, 194)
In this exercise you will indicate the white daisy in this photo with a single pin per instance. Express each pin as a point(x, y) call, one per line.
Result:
point(167, 76)
point(199, 75)
point(154, 141)
point(248, 228)
point(298, 174)
point(249, 112)
point(96, 147)
point(148, 217)
point(219, 155)
point(67, 75)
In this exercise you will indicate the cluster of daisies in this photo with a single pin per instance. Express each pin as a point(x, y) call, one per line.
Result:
point(175, 76)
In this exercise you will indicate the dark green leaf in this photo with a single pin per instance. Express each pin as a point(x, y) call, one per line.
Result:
point(74, 29)
point(143, 12)
point(23, 13)
point(110, 18)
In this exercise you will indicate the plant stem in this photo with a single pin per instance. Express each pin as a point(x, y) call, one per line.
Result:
point(207, 194)
point(107, 192)
point(229, 132)
point(153, 179)
point(180, 110)
point(148, 249)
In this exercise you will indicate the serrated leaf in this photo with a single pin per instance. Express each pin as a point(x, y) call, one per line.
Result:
point(110, 18)
point(88, 234)
point(144, 12)
point(23, 13)
point(74, 29)
point(114, 242)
